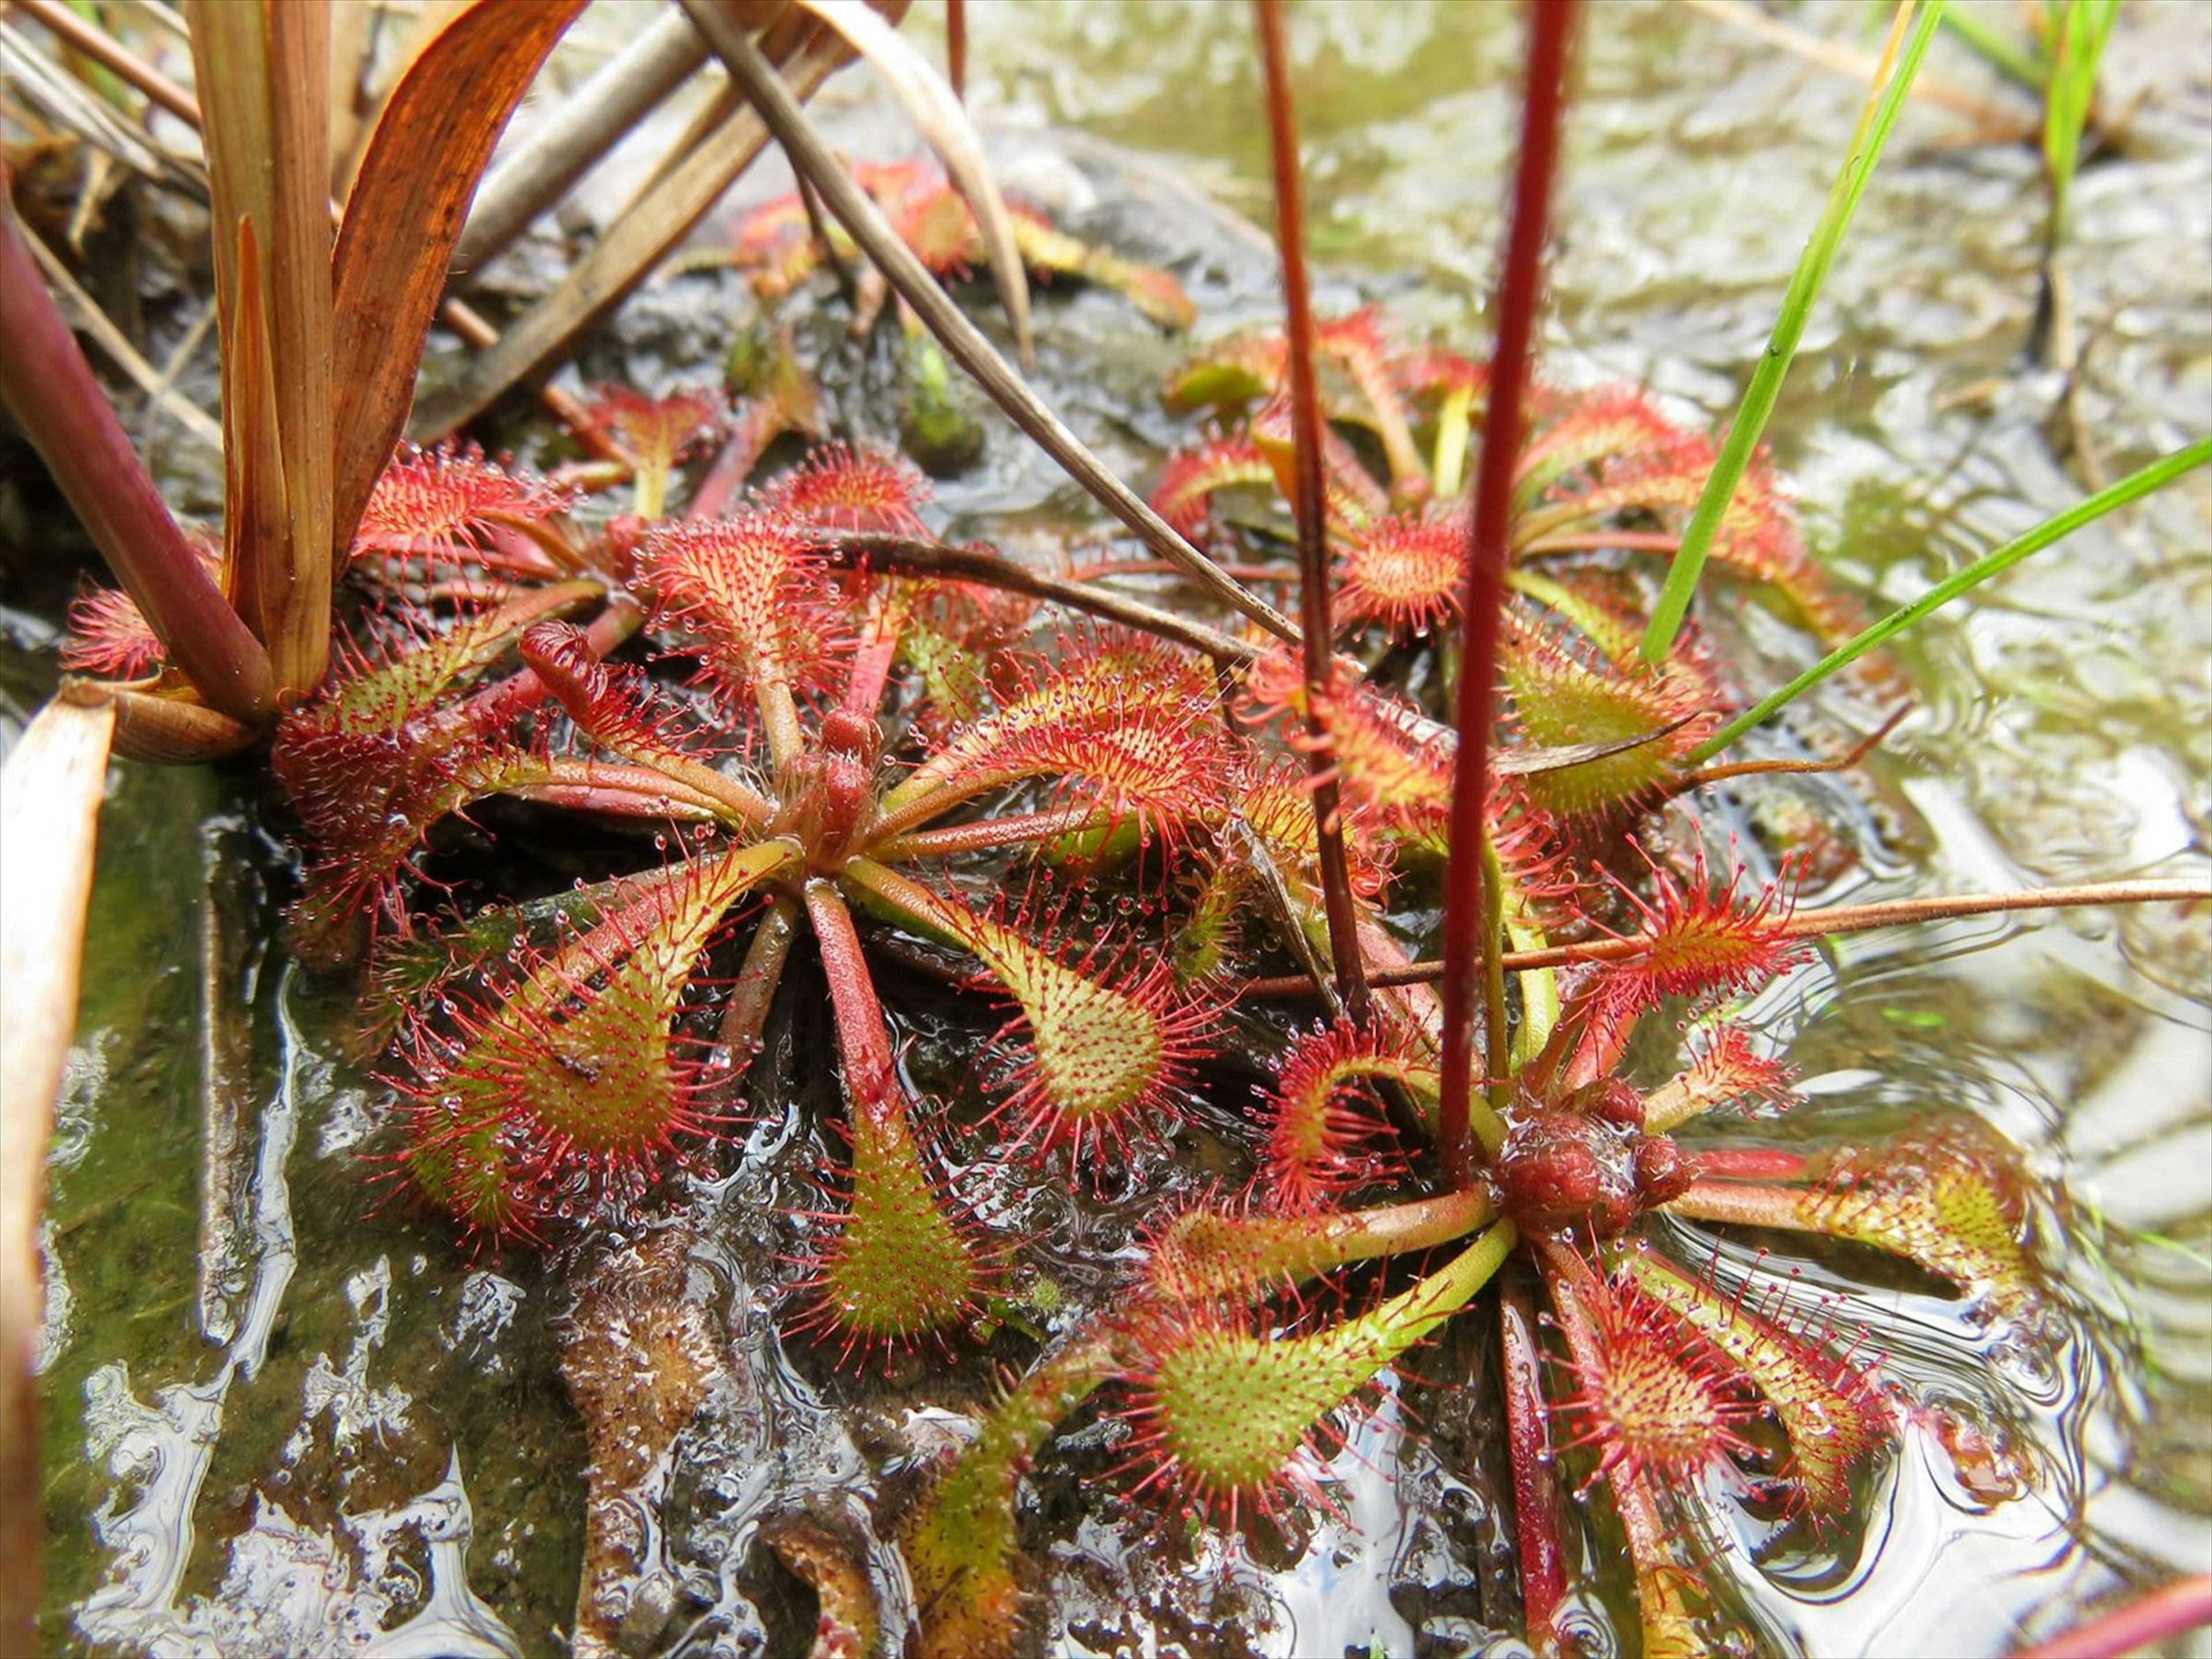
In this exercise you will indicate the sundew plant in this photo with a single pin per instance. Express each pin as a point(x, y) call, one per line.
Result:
point(1141, 1036)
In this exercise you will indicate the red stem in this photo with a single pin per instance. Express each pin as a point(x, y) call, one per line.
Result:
point(2183, 1605)
point(1519, 291)
point(955, 47)
point(1806, 924)
point(50, 388)
point(1602, 541)
point(1312, 509)
point(755, 428)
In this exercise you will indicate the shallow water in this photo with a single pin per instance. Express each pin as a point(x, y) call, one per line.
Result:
point(284, 1415)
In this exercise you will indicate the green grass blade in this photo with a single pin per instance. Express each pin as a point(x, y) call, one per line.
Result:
point(2133, 488)
point(1758, 399)
point(2000, 50)
point(2079, 31)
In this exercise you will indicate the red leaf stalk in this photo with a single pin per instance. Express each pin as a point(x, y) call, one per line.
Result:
point(50, 388)
point(1310, 507)
point(1520, 289)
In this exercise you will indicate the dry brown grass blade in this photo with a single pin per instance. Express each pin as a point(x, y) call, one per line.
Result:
point(353, 55)
point(255, 525)
point(423, 161)
point(632, 247)
point(938, 116)
point(1993, 118)
point(168, 725)
point(811, 159)
point(571, 140)
point(73, 31)
point(50, 795)
point(66, 103)
point(87, 316)
point(264, 67)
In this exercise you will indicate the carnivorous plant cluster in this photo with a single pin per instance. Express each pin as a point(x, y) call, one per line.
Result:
point(1257, 1319)
point(794, 734)
point(857, 754)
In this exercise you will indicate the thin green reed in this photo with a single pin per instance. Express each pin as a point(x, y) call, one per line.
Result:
point(2077, 32)
point(1758, 399)
point(2132, 487)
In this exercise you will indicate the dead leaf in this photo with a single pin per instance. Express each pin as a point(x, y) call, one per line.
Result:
point(632, 245)
point(264, 74)
point(420, 172)
point(49, 796)
point(937, 115)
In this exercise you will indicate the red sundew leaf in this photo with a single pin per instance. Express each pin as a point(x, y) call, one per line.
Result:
point(1540, 881)
point(368, 801)
point(1103, 1041)
point(1404, 573)
point(1950, 1200)
point(774, 244)
point(1430, 373)
point(1356, 340)
point(1223, 1421)
point(1275, 686)
point(389, 684)
point(1328, 1133)
point(660, 431)
point(1563, 696)
point(950, 636)
point(1354, 498)
point(574, 1059)
point(841, 489)
point(1699, 942)
point(1278, 806)
point(1239, 370)
point(369, 769)
point(1374, 365)
point(1704, 941)
point(1757, 537)
point(752, 591)
point(1126, 722)
point(1190, 479)
point(1157, 293)
point(1832, 1412)
point(1657, 1401)
point(902, 1264)
point(927, 212)
point(109, 636)
point(379, 755)
point(613, 704)
point(448, 499)
point(1384, 763)
point(1222, 1416)
point(1618, 422)
point(1724, 1070)
point(1391, 763)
